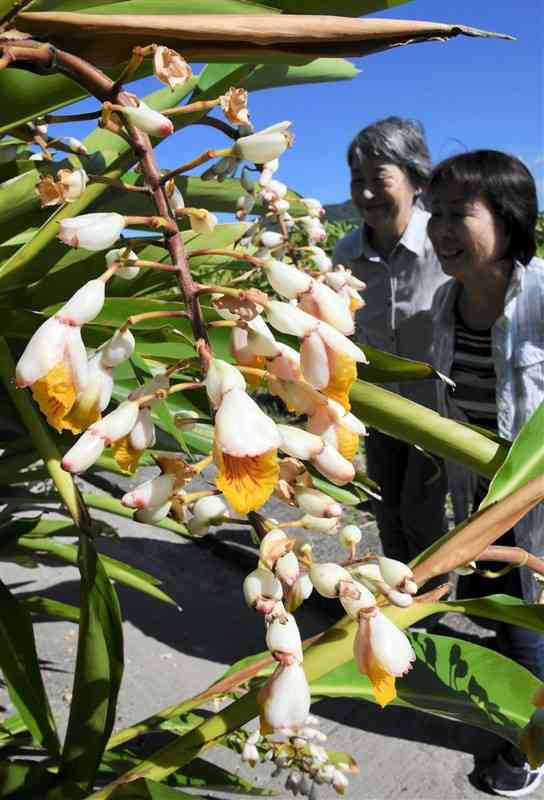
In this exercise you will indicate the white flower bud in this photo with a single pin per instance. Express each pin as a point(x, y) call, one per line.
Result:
point(286, 280)
point(142, 435)
point(320, 259)
point(250, 755)
point(349, 536)
point(330, 463)
point(84, 305)
point(270, 239)
point(320, 524)
point(260, 339)
point(284, 700)
point(118, 349)
point(368, 574)
point(283, 636)
point(83, 453)
point(394, 572)
point(287, 568)
point(299, 443)
point(152, 493)
point(316, 503)
point(274, 545)
point(261, 584)
point(92, 231)
point(148, 120)
point(290, 319)
point(210, 509)
point(315, 209)
point(264, 145)
point(117, 423)
point(120, 254)
point(75, 145)
point(153, 514)
point(221, 378)
point(339, 782)
point(73, 182)
point(327, 578)
point(300, 591)
point(359, 599)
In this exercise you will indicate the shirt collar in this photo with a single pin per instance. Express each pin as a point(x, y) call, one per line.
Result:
point(412, 239)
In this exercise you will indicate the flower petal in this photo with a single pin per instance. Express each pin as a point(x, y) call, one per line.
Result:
point(246, 482)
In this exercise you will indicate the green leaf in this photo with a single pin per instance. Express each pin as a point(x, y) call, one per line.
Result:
point(201, 774)
point(321, 70)
point(23, 780)
point(347, 8)
point(220, 74)
point(99, 669)
point(524, 461)
point(144, 789)
point(21, 670)
point(385, 367)
point(116, 570)
point(158, 7)
point(454, 679)
point(500, 607)
point(37, 604)
point(12, 530)
point(413, 423)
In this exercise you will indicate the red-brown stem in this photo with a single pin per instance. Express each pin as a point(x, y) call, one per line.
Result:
point(119, 184)
point(207, 155)
point(54, 118)
point(199, 105)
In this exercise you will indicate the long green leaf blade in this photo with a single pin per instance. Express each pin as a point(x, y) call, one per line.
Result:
point(21, 670)
point(99, 669)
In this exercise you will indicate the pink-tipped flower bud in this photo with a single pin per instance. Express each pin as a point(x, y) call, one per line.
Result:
point(290, 319)
point(221, 378)
point(358, 600)
point(299, 443)
point(264, 145)
point(153, 514)
point(274, 545)
point(84, 305)
point(316, 503)
point(396, 574)
point(287, 569)
point(82, 455)
point(262, 590)
point(286, 280)
point(328, 578)
point(319, 524)
point(283, 637)
point(152, 493)
point(333, 466)
point(147, 120)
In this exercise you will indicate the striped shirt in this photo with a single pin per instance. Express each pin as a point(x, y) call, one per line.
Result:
point(474, 375)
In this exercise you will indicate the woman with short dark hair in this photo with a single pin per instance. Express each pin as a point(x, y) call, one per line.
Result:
point(390, 167)
point(489, 338)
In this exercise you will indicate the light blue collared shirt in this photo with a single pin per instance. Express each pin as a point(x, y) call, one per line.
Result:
point(398, 295)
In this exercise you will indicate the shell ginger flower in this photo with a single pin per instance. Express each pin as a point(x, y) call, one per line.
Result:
point(245, 452)
point(54, 363)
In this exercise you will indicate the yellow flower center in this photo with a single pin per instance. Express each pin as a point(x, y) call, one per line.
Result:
point(55, 394)
point(126, 455)
point(343, 376)
point(247, 481)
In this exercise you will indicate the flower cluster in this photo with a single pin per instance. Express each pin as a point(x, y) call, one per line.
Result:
point(307, 300)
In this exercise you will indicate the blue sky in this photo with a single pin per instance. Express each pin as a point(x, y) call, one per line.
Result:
point(467, 92)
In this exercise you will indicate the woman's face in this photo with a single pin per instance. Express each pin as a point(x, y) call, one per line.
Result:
point(382, 193)
point(466, 233)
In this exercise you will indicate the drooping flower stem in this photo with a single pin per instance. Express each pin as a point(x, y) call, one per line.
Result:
point(45, 58)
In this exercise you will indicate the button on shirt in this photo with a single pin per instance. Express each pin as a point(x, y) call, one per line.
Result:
point(398, 297)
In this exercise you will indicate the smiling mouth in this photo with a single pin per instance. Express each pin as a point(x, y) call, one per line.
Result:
point(449, 255)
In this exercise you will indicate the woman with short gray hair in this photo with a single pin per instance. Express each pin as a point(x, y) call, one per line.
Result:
point(390, 166)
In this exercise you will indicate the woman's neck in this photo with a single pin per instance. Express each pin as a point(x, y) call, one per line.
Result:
point(384, 240)
point(481, 299)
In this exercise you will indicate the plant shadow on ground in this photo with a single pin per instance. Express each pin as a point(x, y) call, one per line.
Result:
point(216, 625)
